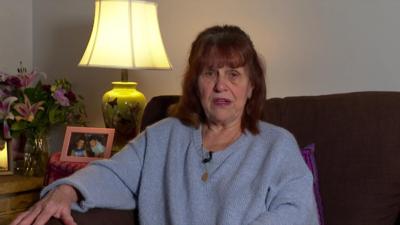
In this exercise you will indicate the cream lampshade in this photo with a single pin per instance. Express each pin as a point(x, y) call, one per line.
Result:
point(125, 35)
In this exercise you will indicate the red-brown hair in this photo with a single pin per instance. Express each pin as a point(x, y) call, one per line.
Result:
point(215, 47)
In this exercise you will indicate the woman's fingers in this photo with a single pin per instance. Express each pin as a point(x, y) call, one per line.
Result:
point(28, 217)
point(55, 207)
point(44, 216)
point(19, 218)
point(67, 218)
point(57, 203)
point(41, 212)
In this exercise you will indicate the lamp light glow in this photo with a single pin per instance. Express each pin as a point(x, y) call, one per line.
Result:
point(3, 156)
point(125, 35)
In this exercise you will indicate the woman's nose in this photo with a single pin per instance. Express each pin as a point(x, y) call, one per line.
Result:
point(220, 83)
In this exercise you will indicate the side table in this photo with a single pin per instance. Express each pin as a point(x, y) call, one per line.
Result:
point(17, 194)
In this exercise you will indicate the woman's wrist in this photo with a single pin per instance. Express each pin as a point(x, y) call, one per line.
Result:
point(70, 191)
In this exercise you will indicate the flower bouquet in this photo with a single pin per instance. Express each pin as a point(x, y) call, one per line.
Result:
point(30, 108)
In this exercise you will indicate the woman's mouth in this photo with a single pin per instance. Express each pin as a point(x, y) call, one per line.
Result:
point(221, 101)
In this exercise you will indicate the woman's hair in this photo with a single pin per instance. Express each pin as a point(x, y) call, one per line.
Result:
point(216, 47)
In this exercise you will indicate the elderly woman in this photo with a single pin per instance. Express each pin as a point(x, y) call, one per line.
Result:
point(212, 162)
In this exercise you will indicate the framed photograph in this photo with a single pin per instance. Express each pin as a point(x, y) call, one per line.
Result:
point(85, 144)
point(5, 158)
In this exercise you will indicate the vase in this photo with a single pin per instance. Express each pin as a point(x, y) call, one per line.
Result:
point(18, 148)
point(123, 108)
point(36, 155)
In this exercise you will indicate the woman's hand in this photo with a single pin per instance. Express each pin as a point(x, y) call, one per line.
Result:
point(56, 203)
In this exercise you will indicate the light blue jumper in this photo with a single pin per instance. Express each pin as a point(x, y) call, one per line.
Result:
point(259, 179)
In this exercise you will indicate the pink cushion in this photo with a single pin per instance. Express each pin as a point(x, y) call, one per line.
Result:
point(57, 169)
point(309, 157)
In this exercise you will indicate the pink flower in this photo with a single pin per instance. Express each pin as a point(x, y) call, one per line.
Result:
point(14, 81)
point(3, 76)
point(6, 130)
point(71, 96)
point(30, 79)
point(5, 114)
point(5, 106)
point(24, 80)
point(2, 94)
point(21, 114)
point(27, 110)
point(59, 96)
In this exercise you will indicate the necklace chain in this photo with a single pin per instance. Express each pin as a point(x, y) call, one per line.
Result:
point(206, 160)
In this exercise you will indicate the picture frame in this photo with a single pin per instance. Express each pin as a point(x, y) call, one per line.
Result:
point(85, 144)
point(6, 162)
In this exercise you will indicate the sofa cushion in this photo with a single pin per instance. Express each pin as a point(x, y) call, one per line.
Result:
point(358, 141)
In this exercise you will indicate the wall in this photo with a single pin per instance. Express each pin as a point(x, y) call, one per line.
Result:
point(16, 42)
point(310, 46)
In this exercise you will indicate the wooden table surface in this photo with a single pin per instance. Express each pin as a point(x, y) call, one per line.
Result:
point(17, 194)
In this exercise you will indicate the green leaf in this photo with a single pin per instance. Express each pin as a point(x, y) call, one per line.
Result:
point(19, 126)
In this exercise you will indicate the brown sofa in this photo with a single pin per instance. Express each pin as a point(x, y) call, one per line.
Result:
point(357, 138)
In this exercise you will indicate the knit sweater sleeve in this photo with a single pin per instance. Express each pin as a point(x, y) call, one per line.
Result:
point(291, 199)
point(111, 183)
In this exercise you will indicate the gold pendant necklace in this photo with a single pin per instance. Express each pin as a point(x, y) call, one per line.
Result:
point(207, 155)
point(205, 160)
point(204, 177)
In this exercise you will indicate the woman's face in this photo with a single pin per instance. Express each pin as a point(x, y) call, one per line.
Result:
point(223, 94)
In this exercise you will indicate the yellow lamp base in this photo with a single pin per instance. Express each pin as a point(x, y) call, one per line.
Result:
point(123, 108)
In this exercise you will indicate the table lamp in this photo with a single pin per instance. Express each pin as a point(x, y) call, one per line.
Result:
point(5, 159)
point(125, 35)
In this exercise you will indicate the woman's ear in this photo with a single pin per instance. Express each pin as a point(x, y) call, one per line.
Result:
point(250, 92)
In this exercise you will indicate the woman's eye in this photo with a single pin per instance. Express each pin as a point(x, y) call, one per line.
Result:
point(209, 73)
point(234, 74)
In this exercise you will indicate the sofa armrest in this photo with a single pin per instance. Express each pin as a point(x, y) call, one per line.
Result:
point(102, 217)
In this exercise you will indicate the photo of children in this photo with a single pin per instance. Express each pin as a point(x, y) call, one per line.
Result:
point(87, 145)
point(96, 147)
point(79, 147)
